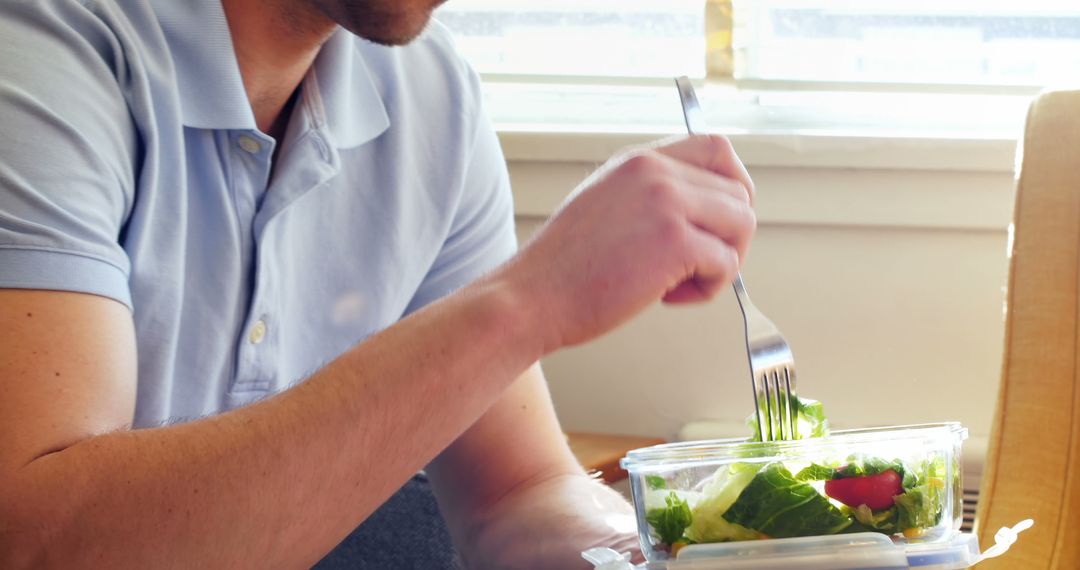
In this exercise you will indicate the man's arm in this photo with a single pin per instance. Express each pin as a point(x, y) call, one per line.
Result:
point(272, 485)
point(278, 483)
point(513, 494)
point(512, 475)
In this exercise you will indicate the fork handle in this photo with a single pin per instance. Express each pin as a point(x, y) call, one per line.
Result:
point(740, 293)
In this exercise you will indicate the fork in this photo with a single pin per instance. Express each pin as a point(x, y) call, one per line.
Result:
point(772, 366)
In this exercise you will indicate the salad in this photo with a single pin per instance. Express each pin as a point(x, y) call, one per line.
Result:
point(781, 499)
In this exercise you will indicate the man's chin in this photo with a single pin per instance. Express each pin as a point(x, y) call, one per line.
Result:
point(387, 39)
point(379, 23)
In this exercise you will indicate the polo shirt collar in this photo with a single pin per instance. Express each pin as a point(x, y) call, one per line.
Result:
point(211, 89)
point(354, 109)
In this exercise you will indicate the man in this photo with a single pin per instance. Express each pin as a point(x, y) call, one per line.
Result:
point(283, 254)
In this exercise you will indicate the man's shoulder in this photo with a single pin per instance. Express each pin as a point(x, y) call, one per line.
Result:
point(95, 37)
point(82, 61)
point(101, 22)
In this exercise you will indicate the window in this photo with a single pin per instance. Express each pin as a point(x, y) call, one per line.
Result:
point(899, 68)
point(1018, 43)
point(582, 38)
point(928, 42)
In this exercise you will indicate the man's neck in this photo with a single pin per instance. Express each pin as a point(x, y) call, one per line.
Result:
point(276, 43)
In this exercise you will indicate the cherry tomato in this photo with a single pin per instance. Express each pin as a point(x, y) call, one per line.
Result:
point(874, 491)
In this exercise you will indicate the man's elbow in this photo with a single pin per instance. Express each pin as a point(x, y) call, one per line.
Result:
point(24, 535)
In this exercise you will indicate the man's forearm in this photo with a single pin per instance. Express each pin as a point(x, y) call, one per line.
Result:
point(277, 483)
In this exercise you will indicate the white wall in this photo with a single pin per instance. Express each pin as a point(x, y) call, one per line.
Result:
point(883, 263)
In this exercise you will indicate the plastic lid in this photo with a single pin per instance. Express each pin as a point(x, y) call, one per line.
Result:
point(860, 551)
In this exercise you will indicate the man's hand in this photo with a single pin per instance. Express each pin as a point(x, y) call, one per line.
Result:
point(672, 221)
point(549, 523)
point(511, 481)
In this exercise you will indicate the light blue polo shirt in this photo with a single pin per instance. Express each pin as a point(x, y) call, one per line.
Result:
point(131, 167)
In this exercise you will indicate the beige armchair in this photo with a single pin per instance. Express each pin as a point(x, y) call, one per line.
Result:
point(1033, 468)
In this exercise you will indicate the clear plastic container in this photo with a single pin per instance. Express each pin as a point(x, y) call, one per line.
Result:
point(735, 490)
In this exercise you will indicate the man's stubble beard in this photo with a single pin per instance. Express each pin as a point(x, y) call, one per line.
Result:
point(385, 22)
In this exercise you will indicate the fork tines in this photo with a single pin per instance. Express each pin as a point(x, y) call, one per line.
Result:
point(776, 406)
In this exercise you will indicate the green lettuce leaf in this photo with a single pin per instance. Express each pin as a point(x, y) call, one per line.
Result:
point(708, 523)
point(920, 507)
point(862, 466)
point(655, 482)
point(809, 417)
point(780, 506)
point(669, 522)
point(923, 501)
point(816, 472)
point(856, 466)
point(883, 521)
point(812, 420)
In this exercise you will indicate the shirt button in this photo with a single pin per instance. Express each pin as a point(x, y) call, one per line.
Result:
point(248, 144)
point(258, 332)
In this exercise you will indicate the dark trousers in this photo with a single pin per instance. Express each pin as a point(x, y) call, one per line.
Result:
point(407, 532)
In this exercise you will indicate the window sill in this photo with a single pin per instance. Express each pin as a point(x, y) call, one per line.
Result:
point(855, 173)
point(928, 132)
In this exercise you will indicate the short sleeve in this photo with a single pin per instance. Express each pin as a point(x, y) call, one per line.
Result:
point(67, 150)
point(482, 232)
